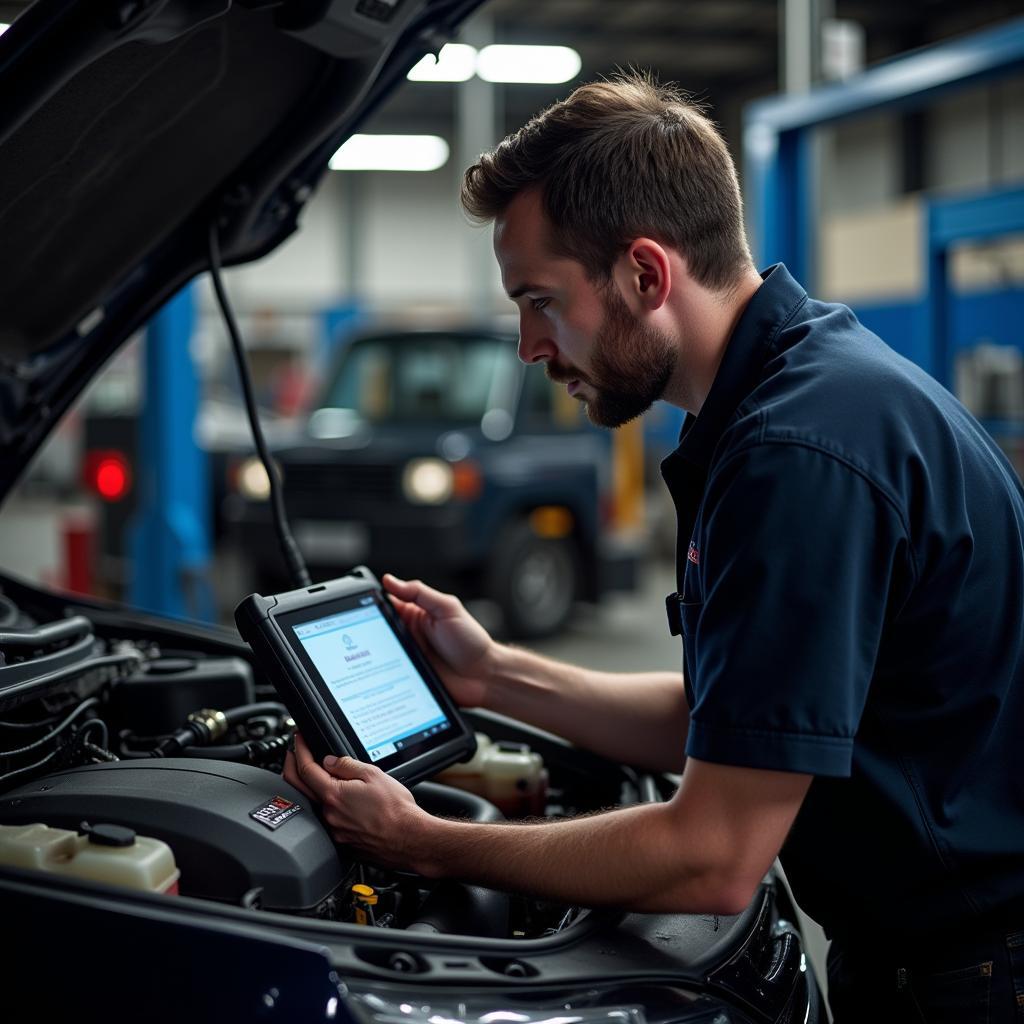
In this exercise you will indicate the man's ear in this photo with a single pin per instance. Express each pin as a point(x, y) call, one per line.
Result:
point(644, 275)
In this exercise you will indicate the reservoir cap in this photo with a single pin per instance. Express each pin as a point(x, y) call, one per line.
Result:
point(107, 835)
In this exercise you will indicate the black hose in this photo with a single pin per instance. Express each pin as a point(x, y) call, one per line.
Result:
point(448, 802)
point(251, 752)
point(454, 908)
point(235, 716)
point(8, 612)
point(48, 634)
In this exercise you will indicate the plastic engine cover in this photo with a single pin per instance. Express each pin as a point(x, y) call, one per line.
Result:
point(232, 827)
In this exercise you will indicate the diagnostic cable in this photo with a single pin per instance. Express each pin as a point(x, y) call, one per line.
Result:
point(292, 555)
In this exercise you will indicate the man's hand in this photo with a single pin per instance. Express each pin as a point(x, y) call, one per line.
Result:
point(638, 718)
point(459, 648)
point(362, 806)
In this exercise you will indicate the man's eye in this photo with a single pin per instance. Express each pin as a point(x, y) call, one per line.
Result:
point(539, 303)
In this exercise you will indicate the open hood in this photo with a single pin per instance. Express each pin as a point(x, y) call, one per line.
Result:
point(127, 127)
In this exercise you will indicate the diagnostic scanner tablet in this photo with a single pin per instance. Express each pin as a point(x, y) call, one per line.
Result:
point(353, 678)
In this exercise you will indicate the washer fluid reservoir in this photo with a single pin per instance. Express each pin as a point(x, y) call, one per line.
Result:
point(509, 775)
point(100, 853)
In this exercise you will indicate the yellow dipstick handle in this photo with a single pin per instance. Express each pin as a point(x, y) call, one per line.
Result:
point(364, 897)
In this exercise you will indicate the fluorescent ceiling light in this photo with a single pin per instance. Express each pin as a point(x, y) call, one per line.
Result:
point(501, 63)
point(455, 63)
point(391, 153)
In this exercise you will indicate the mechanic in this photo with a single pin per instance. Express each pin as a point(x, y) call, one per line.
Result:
point(850, 591)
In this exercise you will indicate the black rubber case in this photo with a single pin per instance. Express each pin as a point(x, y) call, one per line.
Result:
point(321, 724)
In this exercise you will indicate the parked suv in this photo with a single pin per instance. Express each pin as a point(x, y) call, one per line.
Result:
point(438, 454)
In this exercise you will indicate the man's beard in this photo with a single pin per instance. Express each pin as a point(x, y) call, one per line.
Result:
point(630, 368)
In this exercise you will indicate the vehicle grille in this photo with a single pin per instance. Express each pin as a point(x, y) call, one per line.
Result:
point(359, 481)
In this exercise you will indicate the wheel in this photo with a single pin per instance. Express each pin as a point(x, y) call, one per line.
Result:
point(534, 580)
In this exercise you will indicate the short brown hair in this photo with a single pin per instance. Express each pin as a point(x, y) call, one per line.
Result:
point(618, 160)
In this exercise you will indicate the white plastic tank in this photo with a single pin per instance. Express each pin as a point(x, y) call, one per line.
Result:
point(511, 776)
point(102, 853)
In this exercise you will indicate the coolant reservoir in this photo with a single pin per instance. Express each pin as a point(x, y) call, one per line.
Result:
point(510, 775)
point(105, 853)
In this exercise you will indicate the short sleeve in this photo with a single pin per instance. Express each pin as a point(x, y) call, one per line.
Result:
point(797, 551)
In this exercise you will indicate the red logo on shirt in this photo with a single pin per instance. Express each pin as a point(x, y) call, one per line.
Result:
point(693, 555)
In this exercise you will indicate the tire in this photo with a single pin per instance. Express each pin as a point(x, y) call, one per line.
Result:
point(534, 580)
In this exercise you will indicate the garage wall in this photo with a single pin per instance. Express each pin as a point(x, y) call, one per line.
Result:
point(400, 245)
point(870, 234)
point(861, 164)
point(396, 243)
point(974, 139)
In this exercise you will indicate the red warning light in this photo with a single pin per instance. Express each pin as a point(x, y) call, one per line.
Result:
point(111, 479)
point(109, 475)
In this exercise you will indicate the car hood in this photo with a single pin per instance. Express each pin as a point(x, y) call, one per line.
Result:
point(126, 129)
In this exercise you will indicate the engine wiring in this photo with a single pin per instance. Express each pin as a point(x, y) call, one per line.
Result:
point(38, 724)
point(72, 724)
point(81, 709)
point(94, 723)
point(262, 731)
point(29, 767)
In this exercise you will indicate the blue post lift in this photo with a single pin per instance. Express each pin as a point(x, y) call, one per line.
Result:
point(170, 537)
point(949, 221)
point(778, 169)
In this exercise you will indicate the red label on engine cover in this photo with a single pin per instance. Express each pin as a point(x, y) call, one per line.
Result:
point(275, 812)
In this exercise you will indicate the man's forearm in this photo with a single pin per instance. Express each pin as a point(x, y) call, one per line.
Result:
point(705, 850)
point(629, 858)
point(636, 718)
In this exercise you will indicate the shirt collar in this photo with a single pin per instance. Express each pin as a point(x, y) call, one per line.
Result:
point(750, 344)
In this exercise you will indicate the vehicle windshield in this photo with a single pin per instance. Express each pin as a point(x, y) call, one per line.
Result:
point(428, 377)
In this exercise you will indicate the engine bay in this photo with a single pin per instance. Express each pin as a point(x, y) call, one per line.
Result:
point(107, 724)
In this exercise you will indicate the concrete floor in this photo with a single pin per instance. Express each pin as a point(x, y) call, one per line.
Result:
point(627, 632)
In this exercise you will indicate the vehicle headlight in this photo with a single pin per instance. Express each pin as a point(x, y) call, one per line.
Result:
point(427, 481)
point(253, 482)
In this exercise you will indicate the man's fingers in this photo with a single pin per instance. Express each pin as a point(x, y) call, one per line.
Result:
point(348, 769)
point(316, 780)
point(417, 592)
point(409, 613)
point(414, 618)
point(291, 776)
point(312, 775)
point(322, 780)
point(302, 752)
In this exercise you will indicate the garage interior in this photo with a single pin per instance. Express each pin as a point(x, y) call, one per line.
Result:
point(385, 247)
point(881, 153)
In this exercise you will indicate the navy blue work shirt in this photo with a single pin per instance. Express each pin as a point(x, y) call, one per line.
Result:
point(851, 596)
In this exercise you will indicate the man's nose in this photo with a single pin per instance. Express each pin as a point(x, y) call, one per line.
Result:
point(535, 346)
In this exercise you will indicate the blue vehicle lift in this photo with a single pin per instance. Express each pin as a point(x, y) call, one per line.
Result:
point(170, 536)
point(779, 183)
